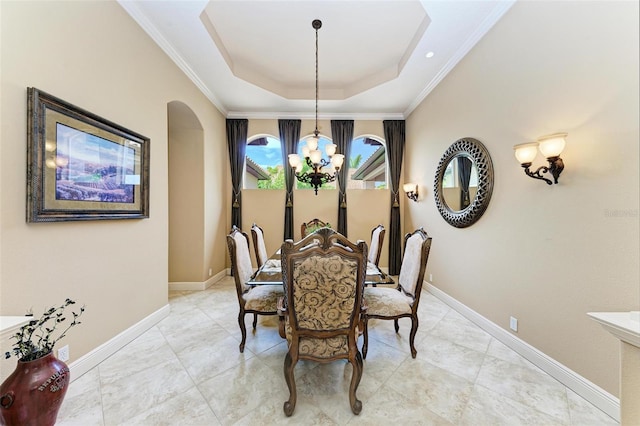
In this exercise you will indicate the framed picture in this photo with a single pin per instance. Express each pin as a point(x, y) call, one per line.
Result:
point(81, 166)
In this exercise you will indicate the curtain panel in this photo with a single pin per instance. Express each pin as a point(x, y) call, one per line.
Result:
point(237, 144)
point(464, 175)
point(394, 134)
point(342, 134)
point(289, 136)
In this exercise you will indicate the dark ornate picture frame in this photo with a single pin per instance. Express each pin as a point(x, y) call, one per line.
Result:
point(81, 166)
point(476, 151)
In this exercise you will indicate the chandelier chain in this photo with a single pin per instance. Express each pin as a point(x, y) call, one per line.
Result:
point(316, 130)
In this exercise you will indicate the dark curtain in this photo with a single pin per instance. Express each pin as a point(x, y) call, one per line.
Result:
point(394, 134)
point(342, 134)
point(289, 136)
point(464, 175)
point(237, 143)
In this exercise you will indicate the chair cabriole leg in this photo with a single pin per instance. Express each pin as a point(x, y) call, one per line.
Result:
point(356, 404)
point(289, 364)
point(243, 330)
point(412, 335)
point(365, 344)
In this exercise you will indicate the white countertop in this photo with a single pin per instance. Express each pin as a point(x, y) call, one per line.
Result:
point(624, 325)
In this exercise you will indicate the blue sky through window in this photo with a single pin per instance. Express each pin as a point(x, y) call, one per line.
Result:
point(271, 154)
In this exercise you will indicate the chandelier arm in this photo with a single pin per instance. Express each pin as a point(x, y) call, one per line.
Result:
point(323, 163)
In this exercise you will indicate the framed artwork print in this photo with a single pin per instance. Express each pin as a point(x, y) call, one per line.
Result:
point(81, 166)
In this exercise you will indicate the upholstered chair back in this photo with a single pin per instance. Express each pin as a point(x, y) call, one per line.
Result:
point(259, 245)
point(377, 237)
point(312, 226)
point(324, 280)
point(414, 261)
point(238, 243)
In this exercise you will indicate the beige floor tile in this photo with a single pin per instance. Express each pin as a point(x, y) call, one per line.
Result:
point(188, 370)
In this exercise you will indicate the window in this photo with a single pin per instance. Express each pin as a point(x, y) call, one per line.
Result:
point(367, 164)
point(322, 142)
point(263, 165)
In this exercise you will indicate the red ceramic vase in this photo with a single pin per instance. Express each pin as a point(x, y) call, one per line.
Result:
point(33, 393)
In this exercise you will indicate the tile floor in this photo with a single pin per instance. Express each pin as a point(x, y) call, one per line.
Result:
point(187, 370)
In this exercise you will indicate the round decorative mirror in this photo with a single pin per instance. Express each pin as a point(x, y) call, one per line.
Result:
point(464, 182)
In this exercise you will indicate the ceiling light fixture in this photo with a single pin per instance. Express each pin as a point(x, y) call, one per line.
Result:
point(322, 171)
point(429, 54)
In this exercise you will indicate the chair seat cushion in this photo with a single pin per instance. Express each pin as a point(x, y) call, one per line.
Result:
point(263, 298)
point(388, 302)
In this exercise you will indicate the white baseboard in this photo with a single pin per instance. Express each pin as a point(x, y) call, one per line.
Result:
point(102, 352)
point(583, 387)
point(197, 285)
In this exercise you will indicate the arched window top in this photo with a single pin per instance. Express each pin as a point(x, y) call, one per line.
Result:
point(263, 165)
point(368, 163)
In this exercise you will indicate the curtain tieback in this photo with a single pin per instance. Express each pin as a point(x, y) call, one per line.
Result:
point(236, 203)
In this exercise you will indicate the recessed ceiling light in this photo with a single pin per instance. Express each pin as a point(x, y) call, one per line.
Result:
point(430, 54)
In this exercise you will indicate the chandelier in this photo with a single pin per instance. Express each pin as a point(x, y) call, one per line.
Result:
point(322, 170)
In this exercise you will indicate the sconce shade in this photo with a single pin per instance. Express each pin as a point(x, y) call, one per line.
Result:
point(526, 152)
point(552, 145)
point(409, 187)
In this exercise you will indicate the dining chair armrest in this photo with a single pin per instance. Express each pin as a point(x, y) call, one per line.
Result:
point(282, 313)
point(363, 314)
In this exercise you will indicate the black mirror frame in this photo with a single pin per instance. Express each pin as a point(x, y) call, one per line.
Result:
point(482, 160)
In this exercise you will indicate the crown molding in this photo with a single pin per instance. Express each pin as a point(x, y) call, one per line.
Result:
point(132, 9)
point(484, 27)
point(270, 115)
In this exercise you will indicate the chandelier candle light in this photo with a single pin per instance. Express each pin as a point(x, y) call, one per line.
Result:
point(322, 171)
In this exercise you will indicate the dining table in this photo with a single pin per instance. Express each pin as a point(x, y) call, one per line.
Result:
point(270, 273)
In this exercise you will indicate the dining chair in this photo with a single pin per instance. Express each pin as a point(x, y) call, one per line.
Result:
point(390, 303)
point(375, 247)
point(260, 249)
point(321, 311)
point(257, 300)
point(312, 226)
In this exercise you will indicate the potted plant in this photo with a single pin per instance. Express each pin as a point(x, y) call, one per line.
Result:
point(33, 393)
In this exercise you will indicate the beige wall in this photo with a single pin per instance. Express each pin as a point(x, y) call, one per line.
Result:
point(93, 55)
point(186, 201)
point(367, 208)
point(545, 255)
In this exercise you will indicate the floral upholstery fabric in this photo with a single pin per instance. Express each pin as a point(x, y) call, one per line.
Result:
point(320, 348)
point(388, 302)
point(243, 260)
point(324, 290)
point(262, 249)
point(263, 298)
point(410, 268)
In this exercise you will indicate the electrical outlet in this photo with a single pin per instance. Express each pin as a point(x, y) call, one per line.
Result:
point(431, 278)
point(210, 271)
point(63, 353)
point(513, 323)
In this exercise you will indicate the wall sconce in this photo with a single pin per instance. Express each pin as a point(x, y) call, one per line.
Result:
point(411, 189)
point(551, 147)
